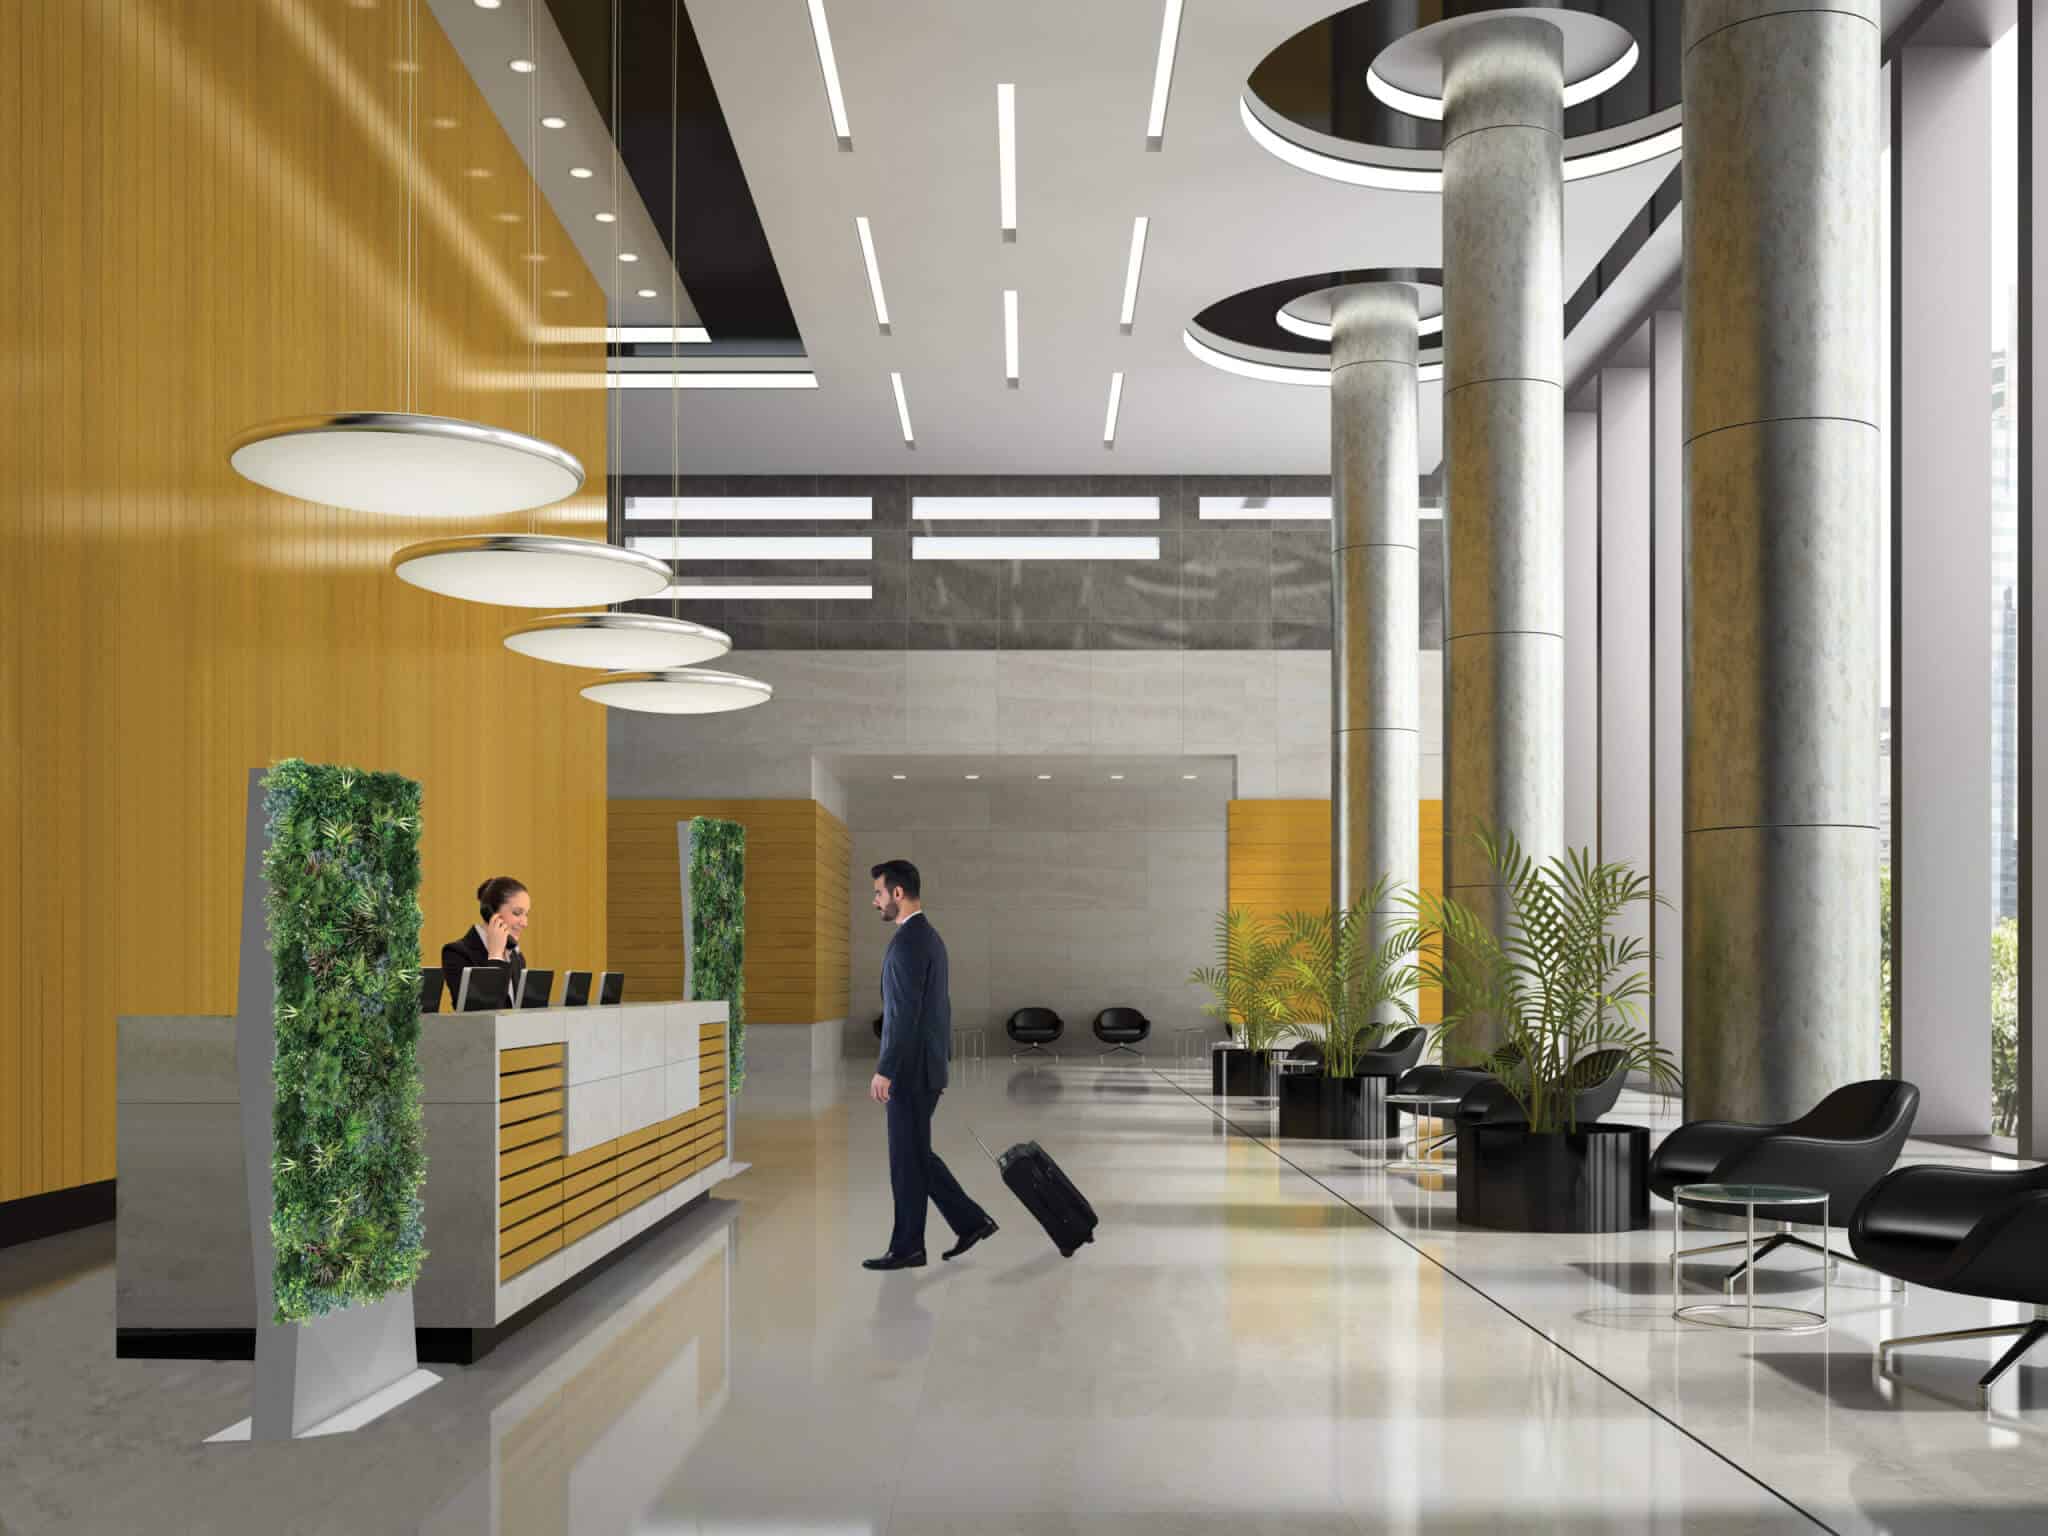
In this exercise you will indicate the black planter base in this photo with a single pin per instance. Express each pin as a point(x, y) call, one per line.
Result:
point(1241, 1074)
point(1315, 1107)
point(1594, 1179)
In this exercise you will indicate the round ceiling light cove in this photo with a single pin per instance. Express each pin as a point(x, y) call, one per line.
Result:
point(1408, 75)
point(406, 465)
point(685, 691)
point(617, 642)
point(526, 570)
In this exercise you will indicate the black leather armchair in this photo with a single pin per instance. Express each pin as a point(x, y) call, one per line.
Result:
point(1975, 1231)
point(1035, 1029)
point(1844, 1145)
point(1121, 1029)
point(878, 1026)
point(1596, 1082)
point(1401, 1051)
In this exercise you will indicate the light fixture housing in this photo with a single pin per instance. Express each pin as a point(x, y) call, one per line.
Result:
point(751, 509)
point(1010, 335)
point(1030, 547)
point(617, 642)
point(528, 570)
point(1006, 157)
point(771, 592)
point(711, 378)
point(678, 691)
point(866, 233)
point(1162, 75)
point(828, 64)
point(523, 66)
point(902, 410)
point(1128, 314)
point(1116, 400)
point(405, 464)
point(1034, 509)
point(767, 546)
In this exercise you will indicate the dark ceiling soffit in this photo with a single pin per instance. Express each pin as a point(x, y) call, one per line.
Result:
point(721, 251)
point(1634, 235)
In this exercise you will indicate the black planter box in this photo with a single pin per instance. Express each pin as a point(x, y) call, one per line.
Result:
point(1317, 1107)
point(1594, 1179)
point(1240, 1073)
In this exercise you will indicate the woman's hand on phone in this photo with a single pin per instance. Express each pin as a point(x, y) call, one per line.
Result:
point(497, 936)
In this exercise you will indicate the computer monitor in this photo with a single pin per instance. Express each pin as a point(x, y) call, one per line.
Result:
point(576, 990)
point(613, 988)
point(535, 987)
point(485, 989)
point(432, 983)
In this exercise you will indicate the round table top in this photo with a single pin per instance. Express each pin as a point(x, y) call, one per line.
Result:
point(1750, 1194)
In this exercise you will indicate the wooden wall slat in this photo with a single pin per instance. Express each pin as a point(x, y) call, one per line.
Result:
point(206, 232)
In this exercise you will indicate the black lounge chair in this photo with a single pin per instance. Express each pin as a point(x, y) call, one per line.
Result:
point(1121, 1029)
point(1974, 1231)
point(1596, 1082)
point(1035, 1029)
point(1844, 1145)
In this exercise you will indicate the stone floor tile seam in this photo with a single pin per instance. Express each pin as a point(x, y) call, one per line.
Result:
point(1437, 1263)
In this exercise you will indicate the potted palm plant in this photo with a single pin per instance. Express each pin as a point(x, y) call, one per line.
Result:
point(1345, 994)
point(1249, 950)
point(1563, 996)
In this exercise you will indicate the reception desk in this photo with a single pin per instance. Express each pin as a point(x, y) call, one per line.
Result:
point(554, 1137)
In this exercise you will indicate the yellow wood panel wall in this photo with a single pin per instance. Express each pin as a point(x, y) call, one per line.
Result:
point(205, 229)
point(796, 889)
point(1280, 861)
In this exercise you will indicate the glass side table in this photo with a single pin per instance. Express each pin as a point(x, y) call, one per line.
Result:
point(970, 1044)
point(1745, 1314)
point(1414, 1155)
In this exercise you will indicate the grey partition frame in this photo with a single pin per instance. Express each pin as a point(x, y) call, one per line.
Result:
point(305, 1372)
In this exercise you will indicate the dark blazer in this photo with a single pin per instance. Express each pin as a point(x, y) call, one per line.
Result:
point(917, 1008)
point(469, 951)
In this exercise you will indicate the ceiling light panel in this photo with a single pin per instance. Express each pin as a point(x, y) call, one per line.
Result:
point(1162, 75)
point(750, 509)
point(1034, 509)
point(1010, 334)
point(867, 256)
point(1129, 313)
point(657, 335)
point(828, 64)
point(1116, 400)
point(1280, 509)
point(1006, 156)
point(762, 378)
point(902, 409)
point(749, 592)
point(1029, 547)
point(768, 547)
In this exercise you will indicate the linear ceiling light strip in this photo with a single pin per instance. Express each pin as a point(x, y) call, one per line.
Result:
point(1116, 400)
point(835, 98)
point(1162, 75)
point(1010, 335)
point(757, 378)
point(740, 547)
point(867, 256)
point(1006, 157)
point(657, 335)
point(751, 509)
point(737, 591)
point(1034, 509)
point(902, 410)
point(1046, 547)
point(1128, 315)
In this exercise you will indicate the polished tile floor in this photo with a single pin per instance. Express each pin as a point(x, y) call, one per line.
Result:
point(1267, 1336)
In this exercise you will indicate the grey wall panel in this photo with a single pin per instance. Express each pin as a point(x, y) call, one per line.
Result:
point(1667, 682)
point(1581, 629)
point(1625, 633)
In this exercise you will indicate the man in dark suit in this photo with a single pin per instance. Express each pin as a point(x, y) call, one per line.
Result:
point(917, 1040)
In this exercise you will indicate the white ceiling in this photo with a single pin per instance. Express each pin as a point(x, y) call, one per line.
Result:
point(920, 79)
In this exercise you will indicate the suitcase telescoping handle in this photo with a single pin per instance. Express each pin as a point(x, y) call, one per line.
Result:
point(984, 1146)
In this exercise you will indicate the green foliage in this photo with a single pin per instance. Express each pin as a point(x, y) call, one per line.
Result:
point(1557, 985)
point(1249, 953)
point(718, 929)
point(1340, 989)
point(348, 1154)
point(2005, 1027)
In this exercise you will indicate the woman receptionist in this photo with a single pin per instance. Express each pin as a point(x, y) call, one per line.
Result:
point(504, 905)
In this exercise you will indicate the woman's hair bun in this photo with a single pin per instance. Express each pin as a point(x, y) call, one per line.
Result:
point(496, 891)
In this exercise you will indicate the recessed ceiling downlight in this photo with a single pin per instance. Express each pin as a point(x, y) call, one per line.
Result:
point(406, 465)
point(617, 642)
point(528, 570)
point(678, 691)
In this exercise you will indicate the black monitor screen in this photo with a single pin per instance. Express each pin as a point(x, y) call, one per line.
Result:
point(535, 987)
point(614, 987)
point(485, 989)
point(431, 985)
point(576, 989)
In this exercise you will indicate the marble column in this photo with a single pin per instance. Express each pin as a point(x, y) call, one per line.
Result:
point(1375, 724)
point(1782, 501)
point(1504, 450)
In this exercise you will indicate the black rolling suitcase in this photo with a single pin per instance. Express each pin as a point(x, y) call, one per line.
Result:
point(1047, 1193)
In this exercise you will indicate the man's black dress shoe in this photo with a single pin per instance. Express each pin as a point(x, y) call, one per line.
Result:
point(967, 1242)
point(896, 1261)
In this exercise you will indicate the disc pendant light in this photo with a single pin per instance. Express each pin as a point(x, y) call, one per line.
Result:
point(531, 569)
point(401, 462)
point(679, 691)
point(670, 687)
point(618, 642)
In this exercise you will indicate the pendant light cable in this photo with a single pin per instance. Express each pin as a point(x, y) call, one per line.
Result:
point(533, 229)
point(615, 406)
point(412, 155)
point(675, 381)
